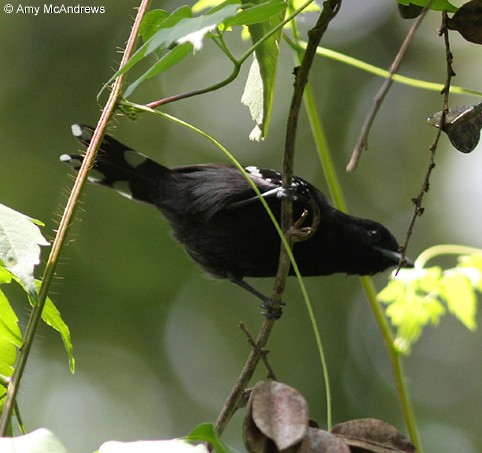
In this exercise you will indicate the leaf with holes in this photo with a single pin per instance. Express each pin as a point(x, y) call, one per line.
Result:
point(20, 239)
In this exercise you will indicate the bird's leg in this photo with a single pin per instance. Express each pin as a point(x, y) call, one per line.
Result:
point(265, 301)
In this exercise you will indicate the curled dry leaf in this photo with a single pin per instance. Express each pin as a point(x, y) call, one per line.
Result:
point(462, 126)
point(374, 436)
point(277, 413)
point(320, 441)
point(468, 21)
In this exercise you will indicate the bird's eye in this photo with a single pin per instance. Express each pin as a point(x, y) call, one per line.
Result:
point(374, 235)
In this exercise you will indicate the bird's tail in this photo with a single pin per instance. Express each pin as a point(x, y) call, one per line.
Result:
point(130, 173)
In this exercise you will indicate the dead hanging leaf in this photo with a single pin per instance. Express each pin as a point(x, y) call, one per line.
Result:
point(468, 21)
point(277, 413)
point(374, 436)
point(320, 441)
point(462, 126)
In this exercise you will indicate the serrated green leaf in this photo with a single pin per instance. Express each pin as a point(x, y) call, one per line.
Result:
point(435, 5)
point(412, 302)
point(20, 239)
point(459, 295)
point(184, 30)
point(10, 336)
point(259, 90)
point(473, 261)
point(166, 62)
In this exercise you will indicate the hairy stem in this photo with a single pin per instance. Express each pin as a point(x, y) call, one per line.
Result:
point(65, 222)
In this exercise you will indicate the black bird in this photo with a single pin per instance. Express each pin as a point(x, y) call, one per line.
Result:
point(216, 215)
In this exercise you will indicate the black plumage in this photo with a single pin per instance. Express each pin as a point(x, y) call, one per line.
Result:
point(223, 226)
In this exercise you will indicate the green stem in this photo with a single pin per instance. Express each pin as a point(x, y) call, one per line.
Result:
point(65, 222)
point(336, 195)
point(444, 249)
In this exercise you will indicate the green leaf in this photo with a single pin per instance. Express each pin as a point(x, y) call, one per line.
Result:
point(206, 432)
point(458, 292)
point(259, 90)
point(436, 5)
point(10, 336)
point(257, 14)
point(151, 23)
point(180, 31)
point(51, 316)
point(170, 59)
point(19, 245)
point(39, 441)
point(412, 302)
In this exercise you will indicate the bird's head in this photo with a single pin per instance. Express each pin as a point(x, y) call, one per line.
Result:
point(370, 247)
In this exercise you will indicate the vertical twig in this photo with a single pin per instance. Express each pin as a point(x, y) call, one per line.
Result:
point(380, 96)
point(65, 222)
point(330, 8)
point(417, 200)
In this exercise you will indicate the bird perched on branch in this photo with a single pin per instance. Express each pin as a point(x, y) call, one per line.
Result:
point(217, 216)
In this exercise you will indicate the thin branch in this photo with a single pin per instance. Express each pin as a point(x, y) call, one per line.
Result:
point(380, 96)
point(417, 201)
point(263, 352)
point(330, 8)
point(65, 222)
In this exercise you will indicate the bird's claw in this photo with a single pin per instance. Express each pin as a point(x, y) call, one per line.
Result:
point(298, 232)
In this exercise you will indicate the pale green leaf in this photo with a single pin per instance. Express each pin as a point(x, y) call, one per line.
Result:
point(153, 446)
point(473, 261)
point(259, 90)
point(19, 245)
point(40, 441)
point(459, 295)
point(10, 336)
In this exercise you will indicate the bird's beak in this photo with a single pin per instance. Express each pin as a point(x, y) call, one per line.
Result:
point(396, 257)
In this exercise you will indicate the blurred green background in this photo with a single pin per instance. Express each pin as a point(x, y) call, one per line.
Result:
point(156, 342)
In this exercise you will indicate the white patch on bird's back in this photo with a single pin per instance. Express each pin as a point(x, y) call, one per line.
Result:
point(95, 176)
point(254, 171)
point(123, 188)
point(133, 158)
point(81, 132)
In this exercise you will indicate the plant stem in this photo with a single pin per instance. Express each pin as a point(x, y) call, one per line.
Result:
point(65, 222)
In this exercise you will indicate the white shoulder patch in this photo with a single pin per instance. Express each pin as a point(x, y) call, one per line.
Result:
point(254, 171)
point(134, 159)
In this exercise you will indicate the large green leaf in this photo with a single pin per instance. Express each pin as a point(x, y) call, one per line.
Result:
point(51, 316)
point(179, 31)
point(10, 336)
point(259, 90)
point(436, 5)
point(166, 62)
